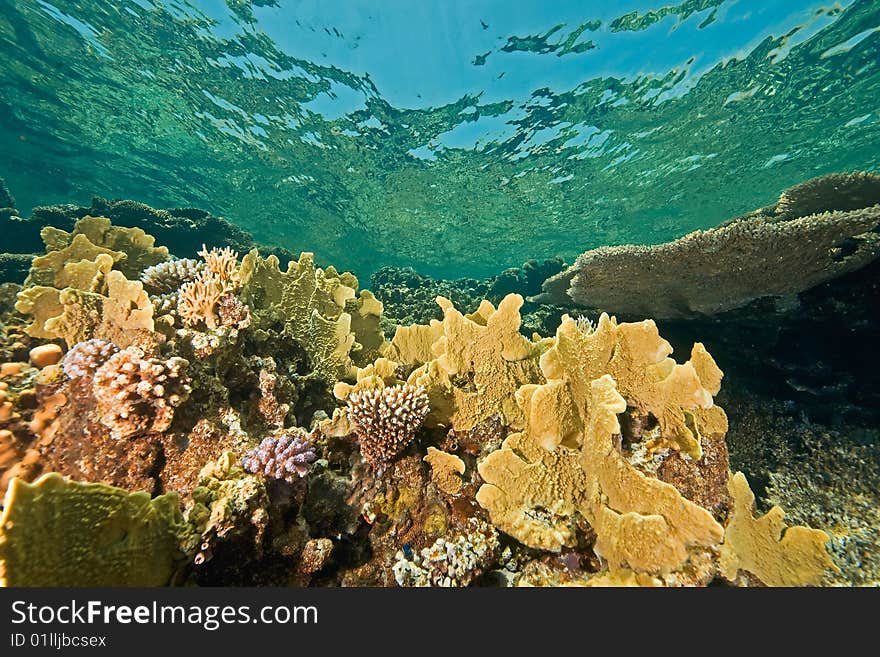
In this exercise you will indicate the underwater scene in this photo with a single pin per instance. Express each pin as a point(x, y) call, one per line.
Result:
point(403, 293)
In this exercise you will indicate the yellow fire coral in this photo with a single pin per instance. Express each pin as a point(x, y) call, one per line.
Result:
point(57, 532)
point(480, 361)
point(309, 304)
point(137, 249)
point(567, 465)
point(776, 554)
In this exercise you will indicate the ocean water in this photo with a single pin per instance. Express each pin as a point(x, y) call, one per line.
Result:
point(456, 137)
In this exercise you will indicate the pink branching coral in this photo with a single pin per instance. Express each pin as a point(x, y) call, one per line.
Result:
point(287, 455)
point(136, 395)
point(386, 419)
point(84, 358)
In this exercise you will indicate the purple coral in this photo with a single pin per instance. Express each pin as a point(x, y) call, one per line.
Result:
point(286, 455)
point(84, 358)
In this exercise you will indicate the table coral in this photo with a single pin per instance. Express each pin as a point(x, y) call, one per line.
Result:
point(816, 232)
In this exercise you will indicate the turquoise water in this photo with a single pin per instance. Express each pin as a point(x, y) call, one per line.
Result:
point(456, 137)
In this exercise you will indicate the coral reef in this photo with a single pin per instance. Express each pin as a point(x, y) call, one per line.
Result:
point(305, 448)
point(817, 231)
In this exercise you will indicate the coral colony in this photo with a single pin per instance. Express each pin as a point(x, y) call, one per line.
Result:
point(152, 407)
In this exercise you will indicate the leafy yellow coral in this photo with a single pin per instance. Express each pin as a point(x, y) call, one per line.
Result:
point(446, 470)
point(137, 247)
point(308, 304)
point(638, 360)
point(412, 344)
point(124, 316)
point(565, 463)
point(45, 269)
point(366, 314)
point(778, 555)
point(480, 361)
point(57, 532)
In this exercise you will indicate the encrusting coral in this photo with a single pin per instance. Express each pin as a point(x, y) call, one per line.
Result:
point(817, 231)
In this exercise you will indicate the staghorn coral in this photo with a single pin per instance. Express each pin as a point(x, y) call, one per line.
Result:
point(136, 395)
point(820, 230)
point(84, 358)
point(776, 554)
point(223, 263)
point(57, 532)
point(386, 419)
point(455, 561)
point(167, 277)
point(287, 455)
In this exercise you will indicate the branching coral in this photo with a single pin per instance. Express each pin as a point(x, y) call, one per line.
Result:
point(198, 299)
point(166, 277)
point(223, 263)
point(286, 455)
point(136, 395)
point(386, 419)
